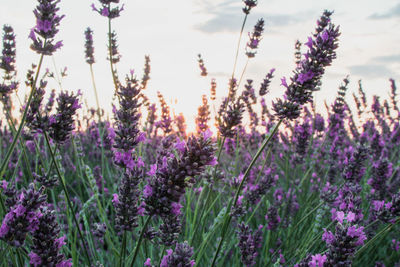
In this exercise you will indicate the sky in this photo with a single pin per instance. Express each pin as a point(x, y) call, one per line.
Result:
point(174, 32)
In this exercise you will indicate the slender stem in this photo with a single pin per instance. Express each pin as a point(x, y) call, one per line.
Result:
point(95, 91)
point(243, 71)
point(208, 195)
point(123, 248)
point(161, 256)
point(64, 188)
point(235, 63)
point(115, 80)
point(238, 46)
point(140, 240)
point(56, 71)
point(227, 218)
point(21, 125)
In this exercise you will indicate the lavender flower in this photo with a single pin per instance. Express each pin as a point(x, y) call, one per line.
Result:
point(230, 117)
point(36, 121)
point(272, 218)
point(213, 89)
point(249, 4)
point(249, 243)
point(297, 53)
point(46, 245)
point(201, 66)
point(393, 94)
point(181, 125)
point(301, 136)
point(381, 173)
point(307, 76)
point(170, 228)
point(166, 121)
point(7, 63)
point(354, 170)
point(47, 22)
point(255, 38)
point(89, 49)
point(127, 117)
point(146, 72)
point(7, 59)
point(264, 88)
point(115, 55)
point(62, 124)
point(50, 102)
point(23, 217)
point(125, 202)
point(107, 10)
point(46, 180)
point(389, 211)
point(173, 175)
point(343, 244)
point(180, 257)
point(151, 118)
point(203, 116)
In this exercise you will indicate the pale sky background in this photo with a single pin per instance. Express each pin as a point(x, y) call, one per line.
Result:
point(174, 32)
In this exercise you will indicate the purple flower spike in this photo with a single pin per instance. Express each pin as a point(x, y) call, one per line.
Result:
point(309, 71)
point(107, 10)
point(47, 22)
point(180, 257)
point(23, 217)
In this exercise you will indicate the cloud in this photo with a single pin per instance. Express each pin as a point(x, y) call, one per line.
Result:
point(388, 59)
point(391, 13)
point(227, 17)
point(371, 71)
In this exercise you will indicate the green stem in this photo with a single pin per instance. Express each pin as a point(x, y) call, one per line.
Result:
point(122, 253)
point(115, 80)
point(227, 218)
point(238, 46)
point(64, 188)
point(161, 256)
point(95, 91)
point(21, 125)
point(140, 240)
point(208, 195)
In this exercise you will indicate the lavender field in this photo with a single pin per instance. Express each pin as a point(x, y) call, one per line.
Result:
point(284, 182)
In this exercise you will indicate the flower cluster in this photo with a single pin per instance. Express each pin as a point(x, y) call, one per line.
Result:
point(249, 243)
point(62, 123)
point(173, 175)
point(89, 49)
point(107, 10)
point(343, 244)
point(180, 257)
point(203, 116)
point(47, 22)
point(115, 55)
point(264, 88)
point(125, 202)
point(230, 117)
point(307, 75)
point(127, 116)
point(23, 216)
point(165, 122)
point(201, 66)
point(255, 38)
point(7, 63)
point(249, 4)
point(46, 245)
point(146, 72)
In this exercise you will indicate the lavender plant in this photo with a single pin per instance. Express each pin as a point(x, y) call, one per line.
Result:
point(277, 185)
